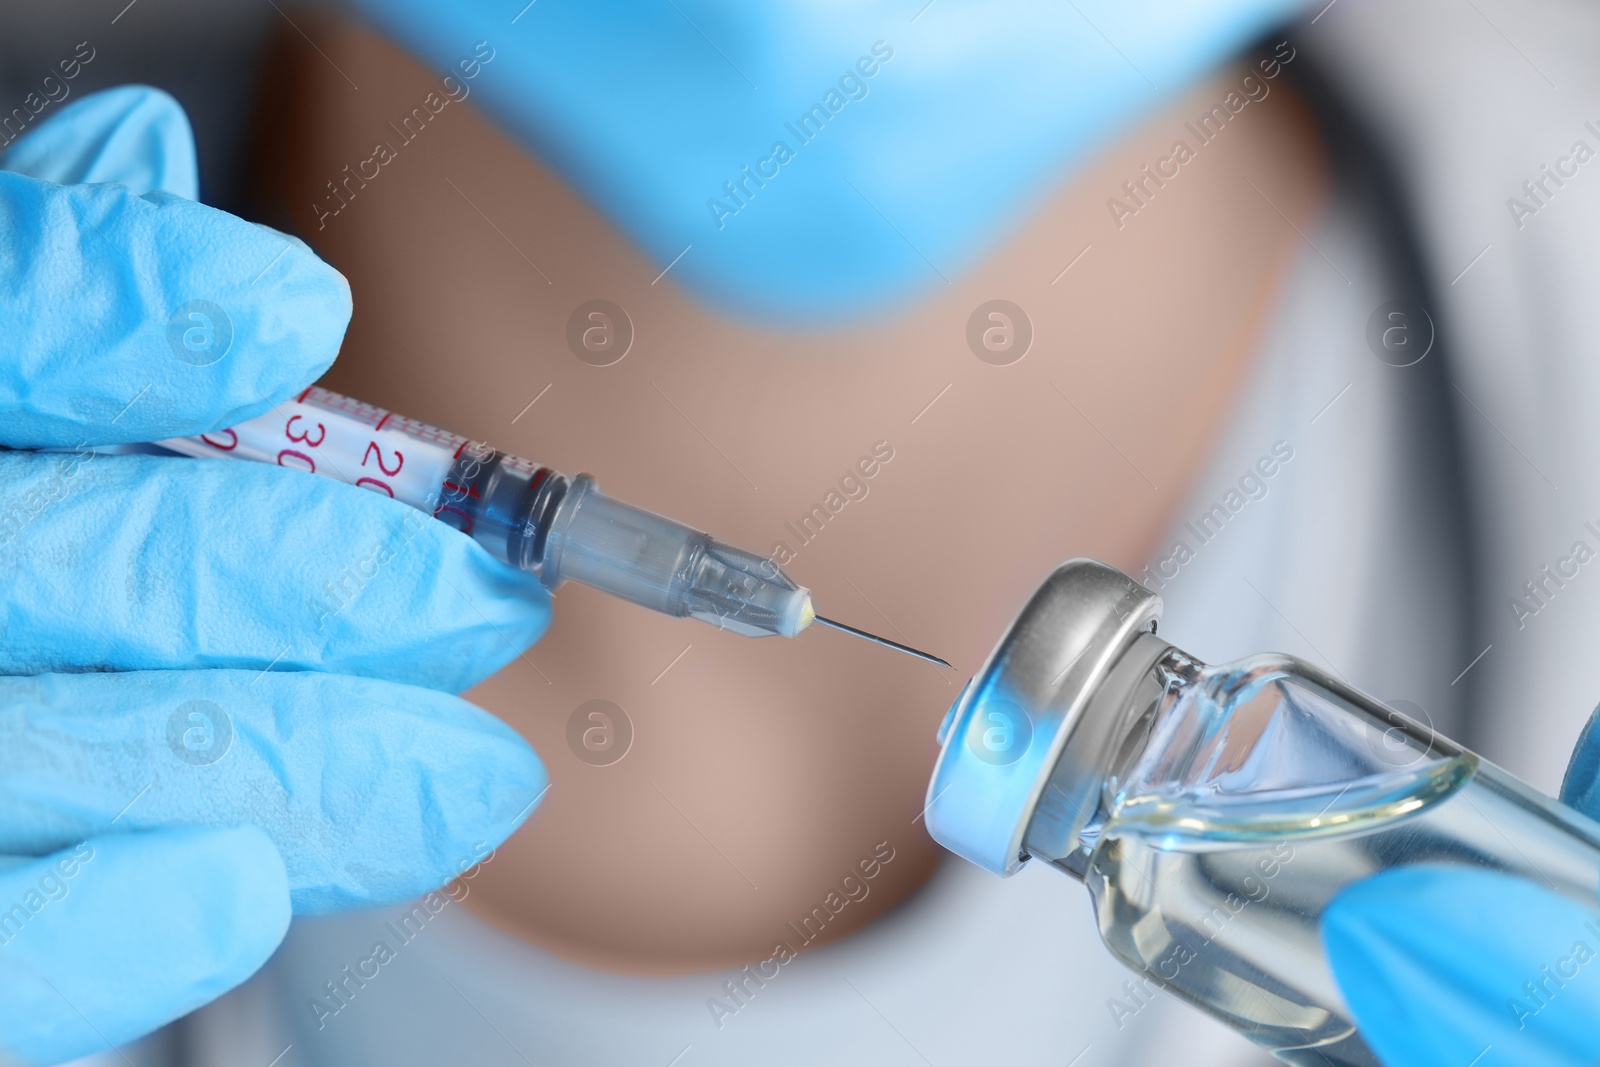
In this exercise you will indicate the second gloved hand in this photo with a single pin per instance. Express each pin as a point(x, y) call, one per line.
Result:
point(225, 690)
point(1445, 966)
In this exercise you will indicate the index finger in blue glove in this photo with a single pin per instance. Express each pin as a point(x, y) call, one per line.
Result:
point(133, 318)
point(1446, 966)
point(1581, 786)
point(216, 563)
point(114, 936)
point(373, 792)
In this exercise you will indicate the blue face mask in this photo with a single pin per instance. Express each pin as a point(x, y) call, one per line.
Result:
point(804, 163)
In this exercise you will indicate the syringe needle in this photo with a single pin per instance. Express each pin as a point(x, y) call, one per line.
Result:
point(884, 641)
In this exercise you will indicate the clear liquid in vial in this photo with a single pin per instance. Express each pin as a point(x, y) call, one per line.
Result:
point(1212, 870)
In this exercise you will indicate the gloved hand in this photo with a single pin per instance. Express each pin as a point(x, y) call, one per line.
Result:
point(1449, 966)
point(224, 688)
point(916, 134)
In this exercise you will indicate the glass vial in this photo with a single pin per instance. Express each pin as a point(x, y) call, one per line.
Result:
point(1213, 812)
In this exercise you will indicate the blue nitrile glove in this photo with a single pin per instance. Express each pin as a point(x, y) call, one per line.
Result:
point(960, 117)
point(224, 688)
point(1448, 966)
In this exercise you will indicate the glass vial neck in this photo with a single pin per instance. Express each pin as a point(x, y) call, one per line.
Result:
point(1111, 739)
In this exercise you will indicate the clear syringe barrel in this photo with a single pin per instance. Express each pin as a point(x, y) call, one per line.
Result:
point(526, 515)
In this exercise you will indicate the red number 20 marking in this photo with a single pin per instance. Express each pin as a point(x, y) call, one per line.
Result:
point(373, 449)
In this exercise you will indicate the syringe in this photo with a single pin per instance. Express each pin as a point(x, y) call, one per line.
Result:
point(526, 515)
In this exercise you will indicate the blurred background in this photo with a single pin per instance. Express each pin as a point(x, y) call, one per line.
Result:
point(1177, 332)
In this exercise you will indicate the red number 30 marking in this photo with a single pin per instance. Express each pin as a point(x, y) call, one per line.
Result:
point(321, 431)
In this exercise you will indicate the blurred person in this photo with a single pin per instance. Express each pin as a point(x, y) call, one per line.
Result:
point(760, 776)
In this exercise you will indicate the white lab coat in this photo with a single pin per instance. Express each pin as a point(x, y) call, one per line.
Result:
point(1417, 503)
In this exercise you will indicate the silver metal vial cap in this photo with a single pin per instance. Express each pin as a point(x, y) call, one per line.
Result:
point(1007, 732)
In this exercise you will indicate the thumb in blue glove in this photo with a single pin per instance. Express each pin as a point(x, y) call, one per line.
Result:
point(1444, 966)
